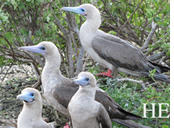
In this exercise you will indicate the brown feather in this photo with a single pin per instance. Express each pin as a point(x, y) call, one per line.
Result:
point(64, 92)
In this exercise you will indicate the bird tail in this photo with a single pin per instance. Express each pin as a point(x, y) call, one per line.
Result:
point(160, 67)
point(158, 76)
point(130, 116)
point(129, 123)
point(127, 115)
point(161, 77)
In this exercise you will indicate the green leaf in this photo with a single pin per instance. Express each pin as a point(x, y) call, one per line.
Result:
point(165, 126)
point(38, 33)
point(9, 35)
point(13, 2)
point(48, 18)
point(4, 18)
point(21, 6)
point(23, 30)
point(156, 19)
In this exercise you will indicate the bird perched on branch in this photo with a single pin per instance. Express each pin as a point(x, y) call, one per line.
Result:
point(84, 111)
point(111, 51)
point(30, 116)
point(58, 90)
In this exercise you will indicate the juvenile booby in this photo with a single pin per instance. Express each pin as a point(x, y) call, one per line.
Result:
point(111, 51)
point(84, 111)
point(30, 116)
point(58, 90)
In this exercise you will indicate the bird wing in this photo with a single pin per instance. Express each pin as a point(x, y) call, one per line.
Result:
point(120, 53)
point(114, 110)
point(103, 117)
point(64, 92)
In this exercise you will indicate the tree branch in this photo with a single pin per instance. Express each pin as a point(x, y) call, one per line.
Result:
point(132, 14)
point(154, 27)
point(9, 45)
point(79, 61)
point(70, 59)
point(135, 81)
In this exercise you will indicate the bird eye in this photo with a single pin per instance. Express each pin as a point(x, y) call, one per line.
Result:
point(82, 9)
point(87, 79)
point(32, 94)
point(42, 48)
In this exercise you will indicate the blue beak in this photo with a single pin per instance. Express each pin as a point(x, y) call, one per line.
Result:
point(77, 10)
point(26, 97)
point(81, 81)
point(35, 49)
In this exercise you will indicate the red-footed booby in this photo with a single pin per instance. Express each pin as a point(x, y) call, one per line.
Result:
point(84, 111)
point(111, 51)
point(58, 90)
point(30, 116)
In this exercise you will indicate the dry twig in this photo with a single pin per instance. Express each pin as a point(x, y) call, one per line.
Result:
point(132, 80)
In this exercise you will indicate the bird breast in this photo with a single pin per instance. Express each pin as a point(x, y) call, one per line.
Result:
point(49, 82)
point(90, 51)
point(82, 107)
point(86, 37)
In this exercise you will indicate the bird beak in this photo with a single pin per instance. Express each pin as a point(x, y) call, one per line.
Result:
point(74, 9)
point(25, 97)
point(33, 49)
point(81, 81)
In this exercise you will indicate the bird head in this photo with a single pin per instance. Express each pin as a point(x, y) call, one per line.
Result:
point(86, 79)
point(30, 96)
point(87, 10)
point(45, 48)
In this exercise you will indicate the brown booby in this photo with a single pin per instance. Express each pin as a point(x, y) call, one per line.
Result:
point(30, 116)
point(111, 51)
point(58, 90)
point(83, 110)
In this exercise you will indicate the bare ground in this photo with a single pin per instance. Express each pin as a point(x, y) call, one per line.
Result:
point(16, 79)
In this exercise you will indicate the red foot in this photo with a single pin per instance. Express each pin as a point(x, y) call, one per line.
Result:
point(66, 125)
point(108, 74)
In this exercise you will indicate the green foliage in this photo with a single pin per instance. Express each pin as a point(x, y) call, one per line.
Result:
point(18, 17)
point(131, 97)
point(152, 73)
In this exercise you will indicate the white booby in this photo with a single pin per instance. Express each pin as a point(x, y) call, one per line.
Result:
point(58, 90)
point(83, 110)
point(111, 51)
point(30, 116)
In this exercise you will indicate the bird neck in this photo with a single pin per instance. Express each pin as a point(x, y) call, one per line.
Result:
point(53, 60)
point(51, 74)
point(92, 24)
point(88, 91)
point(33, 111)
point(52, 66)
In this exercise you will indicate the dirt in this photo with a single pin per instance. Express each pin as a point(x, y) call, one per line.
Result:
point(10, 107)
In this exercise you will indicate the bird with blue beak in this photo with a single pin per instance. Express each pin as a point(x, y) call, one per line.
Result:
point(27, 96)
point(78, 10)
point(84, 110)
point(112, 52)
point(30, 116)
